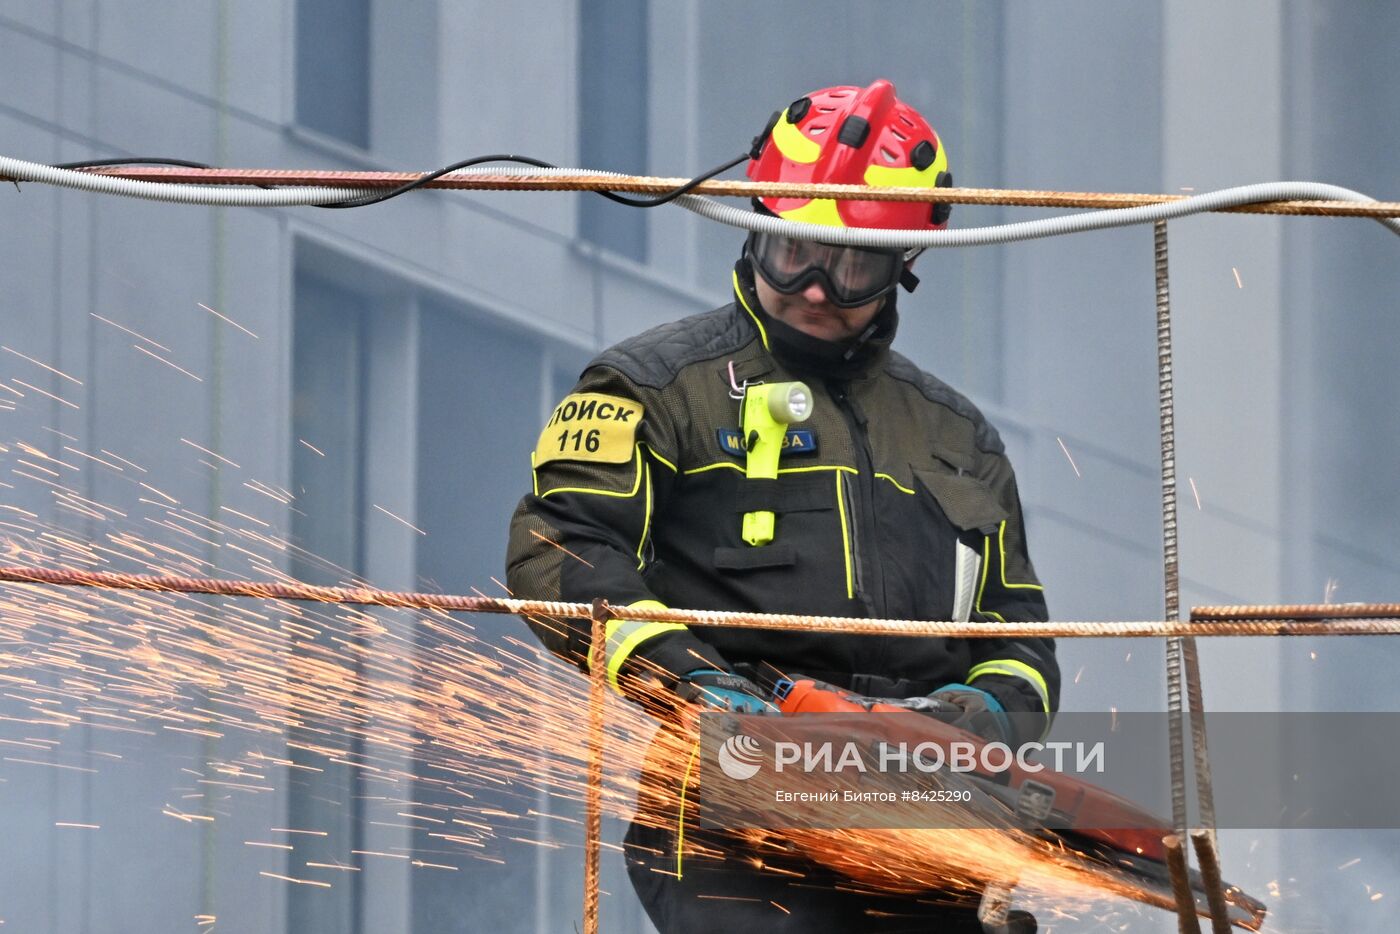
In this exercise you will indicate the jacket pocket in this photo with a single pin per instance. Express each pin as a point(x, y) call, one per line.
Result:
point(775, 555)
point(970, 507)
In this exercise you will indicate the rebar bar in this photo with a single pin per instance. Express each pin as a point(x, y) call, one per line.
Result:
point(647, 184)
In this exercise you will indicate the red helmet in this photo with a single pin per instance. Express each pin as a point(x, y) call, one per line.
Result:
point(853, 136)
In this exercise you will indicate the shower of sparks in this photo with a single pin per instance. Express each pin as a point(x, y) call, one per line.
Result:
point(227, 320)
point(1068, 456)
point(175, 366)
point(1195, 492)
point(312, 446)
point(399, 519)
point(412, 718)
point(1329, 590)
point(1238, 283)
point(44, 365)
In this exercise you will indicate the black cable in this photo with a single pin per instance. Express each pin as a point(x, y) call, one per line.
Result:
point(666, 198)
point(674, 193)
point(99, 163)
point(540, 164)
point(420, 182)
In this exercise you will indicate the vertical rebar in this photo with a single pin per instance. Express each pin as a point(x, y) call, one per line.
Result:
point(1209, 861)
point(1183, 664)
point(593, 823)
point(1171, 580)
point(1186, 920)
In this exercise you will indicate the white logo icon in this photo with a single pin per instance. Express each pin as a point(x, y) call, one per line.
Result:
point(740, 757)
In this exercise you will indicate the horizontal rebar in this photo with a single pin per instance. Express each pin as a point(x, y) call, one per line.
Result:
point(1349, 619)
point(647, 184)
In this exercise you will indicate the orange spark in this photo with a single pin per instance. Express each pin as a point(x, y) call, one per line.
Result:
point(273, 875)
point(227, 319)
point(44, 365)
point(129, 331)
point(399, 519)
point(45, 392)
point(1069, 456)
point(209, 452)
point(168, 363)
point(566, 551)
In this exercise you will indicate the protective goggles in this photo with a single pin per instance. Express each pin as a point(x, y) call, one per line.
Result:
point(850, 276)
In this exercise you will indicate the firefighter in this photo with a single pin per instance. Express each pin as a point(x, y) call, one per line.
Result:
point(894, 498)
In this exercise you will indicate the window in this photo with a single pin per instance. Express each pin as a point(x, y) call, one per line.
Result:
point(328, 428)
point(613, 126)
point(401, 394)
point(333, 68)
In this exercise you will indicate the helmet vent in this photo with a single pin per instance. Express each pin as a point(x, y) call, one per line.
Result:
point(854, 131)
point(923, 155)
point(898, 135)
point(889, 156)
point(905, 120)
point(816, 130)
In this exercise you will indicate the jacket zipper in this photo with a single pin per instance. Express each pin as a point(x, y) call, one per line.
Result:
point(869, 587)
point(852, 537)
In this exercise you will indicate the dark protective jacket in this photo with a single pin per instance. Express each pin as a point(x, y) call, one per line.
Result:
point(895, 499)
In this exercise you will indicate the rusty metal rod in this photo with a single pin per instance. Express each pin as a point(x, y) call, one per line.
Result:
point(597, 707)
point(1183, 660)
point(646, 184)
point(1186, 920)
point(1208, 857)
point(1385, 621)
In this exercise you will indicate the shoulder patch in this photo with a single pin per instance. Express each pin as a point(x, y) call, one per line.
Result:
point(590, 426)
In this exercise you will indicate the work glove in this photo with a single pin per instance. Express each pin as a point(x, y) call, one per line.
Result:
point(974, 710)
point(722, 690)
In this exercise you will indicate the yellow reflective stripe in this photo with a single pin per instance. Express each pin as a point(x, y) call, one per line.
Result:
point(792, 143)
point(845, 539)
point(636, 483)
point(646, 521)
point(1015, 669)
point(887, 176)
point(743, 302)
point(660, 458)
point(680, 814)
point(625, 635)
point(718, 465)
point(817, 211)
point(982, 587)
point(897, 485)
point(1001, 544)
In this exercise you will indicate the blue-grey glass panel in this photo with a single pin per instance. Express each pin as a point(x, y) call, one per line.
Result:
point(333, 68)
point(613, 127)
point(478, 417)
point(327, 413)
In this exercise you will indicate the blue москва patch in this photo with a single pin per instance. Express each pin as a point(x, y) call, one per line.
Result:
point(796, 441)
